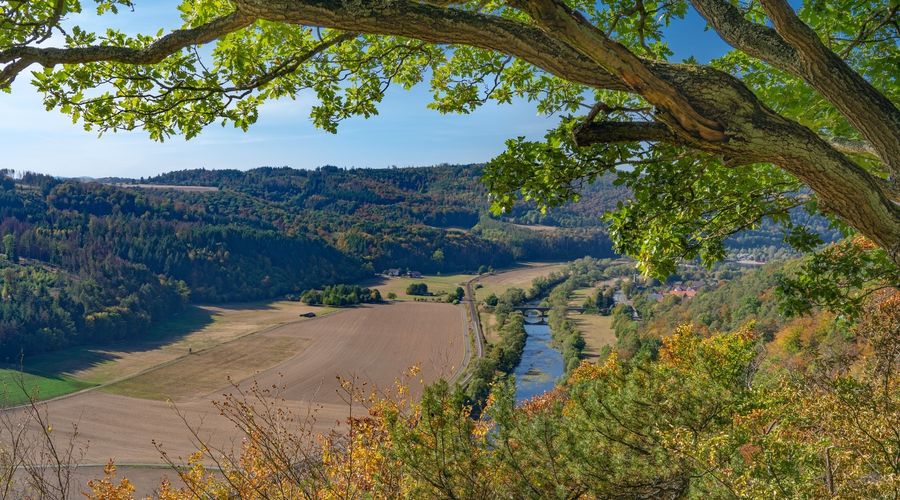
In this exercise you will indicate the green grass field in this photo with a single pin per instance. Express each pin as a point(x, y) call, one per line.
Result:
point(49, 375)
point(436, 285)
point(16, 386)
point(517, 277)
point(596, 330)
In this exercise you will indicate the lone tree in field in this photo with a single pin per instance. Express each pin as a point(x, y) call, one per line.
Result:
point(803, 111)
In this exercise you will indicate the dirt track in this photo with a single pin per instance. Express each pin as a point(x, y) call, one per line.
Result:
point(375, 344)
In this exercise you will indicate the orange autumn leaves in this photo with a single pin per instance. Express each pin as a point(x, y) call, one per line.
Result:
point(698, 418)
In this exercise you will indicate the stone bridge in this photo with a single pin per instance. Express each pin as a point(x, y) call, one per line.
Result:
point(543, 309)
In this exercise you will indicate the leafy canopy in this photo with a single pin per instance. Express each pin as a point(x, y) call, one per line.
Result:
point(685, 202)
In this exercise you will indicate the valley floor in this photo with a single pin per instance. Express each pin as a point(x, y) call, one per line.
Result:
point(304, 358)
point(161, 391)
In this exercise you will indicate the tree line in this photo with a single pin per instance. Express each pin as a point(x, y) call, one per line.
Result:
point(341, 296)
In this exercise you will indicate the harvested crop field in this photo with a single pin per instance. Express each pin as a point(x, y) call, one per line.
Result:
point(597, 332)
point(376, 344)
point(195, 330)
point(519, 277)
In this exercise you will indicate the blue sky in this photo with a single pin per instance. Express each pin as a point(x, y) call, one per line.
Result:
point(405, 133)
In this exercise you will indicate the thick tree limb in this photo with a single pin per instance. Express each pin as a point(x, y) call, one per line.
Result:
point(756, 133)
point(434, 24)
point(759, 41)
point(706, 109)
point(555, 17)
point(612, 132)
point(870, 112)
point(18, 58)
point(794, 47)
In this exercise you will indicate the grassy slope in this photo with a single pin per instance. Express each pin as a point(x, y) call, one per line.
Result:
point(520, 277)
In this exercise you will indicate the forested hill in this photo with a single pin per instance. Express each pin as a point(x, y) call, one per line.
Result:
point(84, 261)
point(443, 196)
point(450, 196)
point(88, 261)
point(426, 218)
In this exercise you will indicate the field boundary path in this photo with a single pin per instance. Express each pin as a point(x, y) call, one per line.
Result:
point(473, 325)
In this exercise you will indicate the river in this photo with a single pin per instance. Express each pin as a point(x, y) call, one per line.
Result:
point(541, 363)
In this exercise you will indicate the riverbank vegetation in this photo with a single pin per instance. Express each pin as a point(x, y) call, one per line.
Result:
point(566, 333)
point(502, 357)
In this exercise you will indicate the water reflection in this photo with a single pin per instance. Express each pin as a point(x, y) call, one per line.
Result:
point(541, 363)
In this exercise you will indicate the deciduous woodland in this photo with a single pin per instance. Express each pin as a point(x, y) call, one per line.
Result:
point(776, 383)
point(88, 262)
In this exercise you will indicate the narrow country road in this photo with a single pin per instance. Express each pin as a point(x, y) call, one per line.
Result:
point(475, 325)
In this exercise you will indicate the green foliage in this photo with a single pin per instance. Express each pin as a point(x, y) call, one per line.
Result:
point(556, 244)
point(578, 274)
point(438, 256)
point(389, 218)
point(748, 296)
point(9, 247)
point(265, 233)
point(603, 302)
point(688, 209)
point(46, 309)
point(501, 359)
point(686, 204)
point(341, 296)
point(417, 289)
point(684, 211)
point(838, 278)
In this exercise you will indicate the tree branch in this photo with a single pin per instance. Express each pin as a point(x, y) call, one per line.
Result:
point(791, 28)
point(697, 103)
point(433, 24)
point(853, 147)
point(759, 41)
point(870, 112)
point(755, 132)
point(612, 132)
point(17, 58)
point(570, 26)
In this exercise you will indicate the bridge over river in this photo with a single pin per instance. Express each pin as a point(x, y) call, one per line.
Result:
point(540, 312)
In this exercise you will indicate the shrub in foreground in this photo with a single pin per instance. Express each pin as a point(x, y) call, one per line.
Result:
point(698, 421)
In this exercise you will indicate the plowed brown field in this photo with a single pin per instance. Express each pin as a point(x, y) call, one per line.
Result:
point(375, 344)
